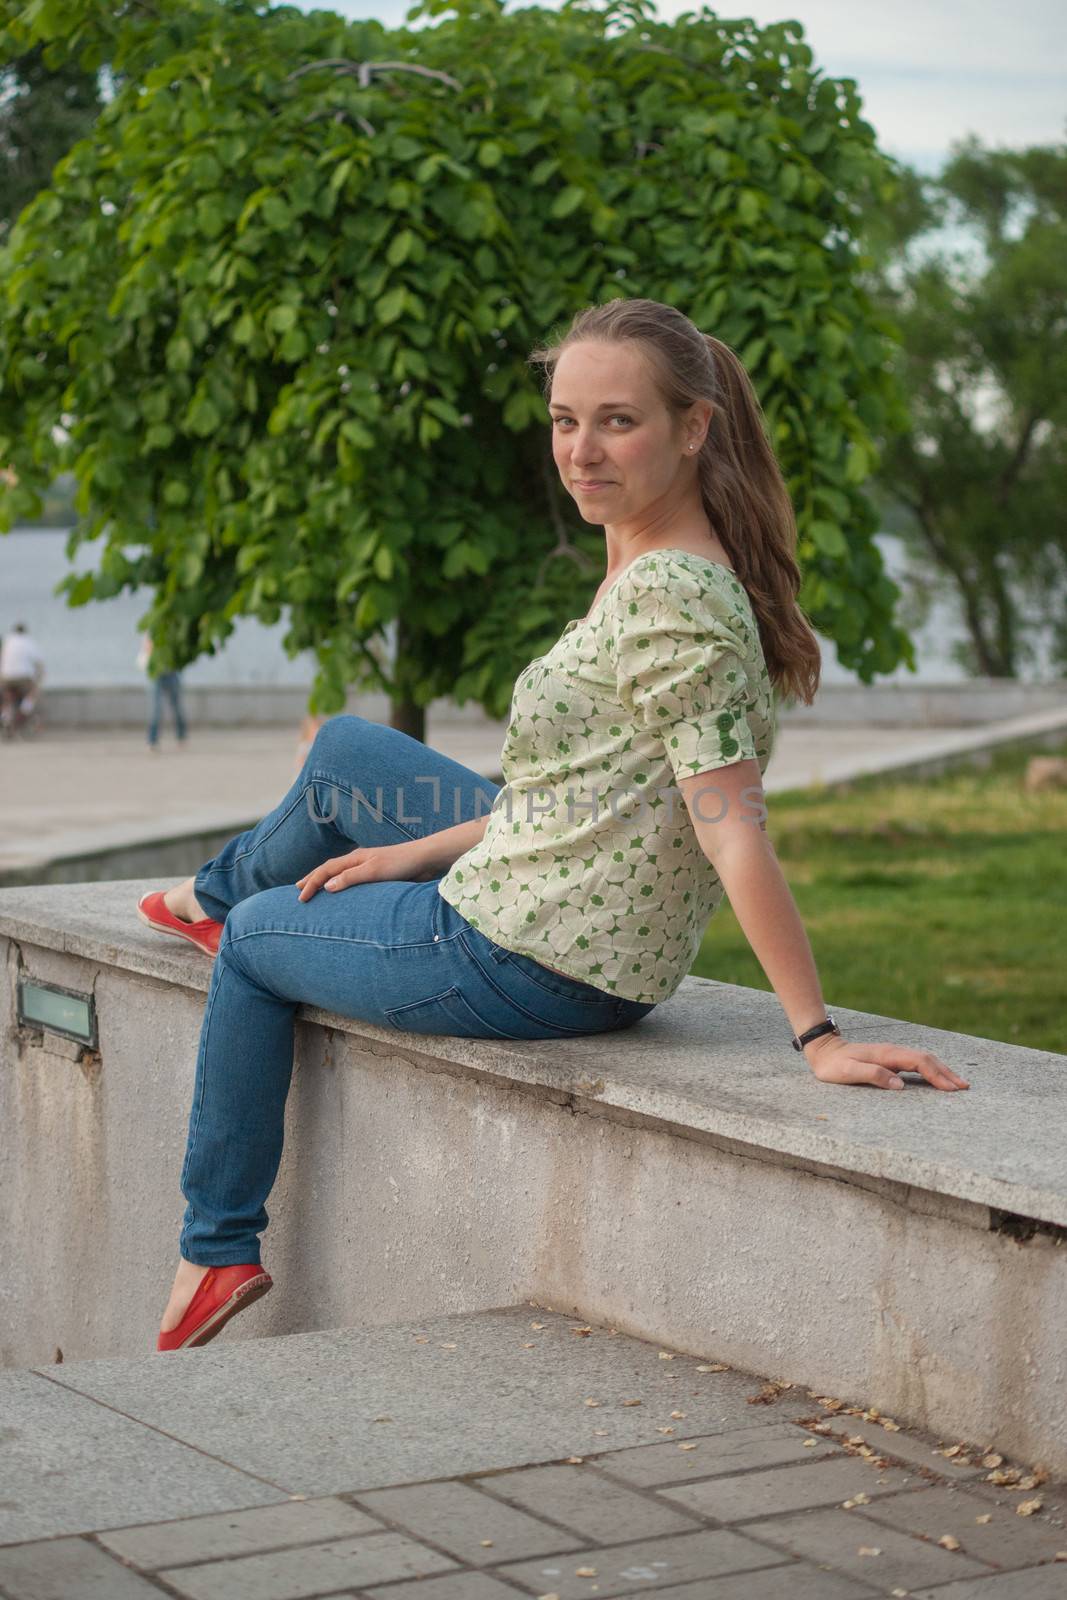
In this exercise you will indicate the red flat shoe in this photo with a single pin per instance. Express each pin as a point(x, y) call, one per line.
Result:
point(220, 1294)
point(154, 911)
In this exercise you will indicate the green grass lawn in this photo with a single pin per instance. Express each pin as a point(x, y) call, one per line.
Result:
point(939, 900)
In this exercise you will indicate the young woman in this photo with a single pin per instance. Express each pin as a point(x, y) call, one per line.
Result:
point(395, 885)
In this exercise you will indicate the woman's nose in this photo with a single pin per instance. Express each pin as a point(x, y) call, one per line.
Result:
point(584, 448)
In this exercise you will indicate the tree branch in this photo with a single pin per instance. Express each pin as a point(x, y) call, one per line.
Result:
point(1018, 458)
point(363, 70)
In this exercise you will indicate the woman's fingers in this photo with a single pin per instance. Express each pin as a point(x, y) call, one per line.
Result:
point(313, 881)
point(881, 1064)
point(902, 1059)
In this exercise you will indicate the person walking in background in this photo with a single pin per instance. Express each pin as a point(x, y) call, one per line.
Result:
point(167, 684)
point(21, 672)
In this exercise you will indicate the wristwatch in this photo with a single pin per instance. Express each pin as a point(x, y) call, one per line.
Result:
point(829, 1026)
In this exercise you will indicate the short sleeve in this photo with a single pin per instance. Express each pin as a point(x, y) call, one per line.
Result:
point(680, 646)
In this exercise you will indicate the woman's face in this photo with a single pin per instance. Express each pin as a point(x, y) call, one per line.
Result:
point(618, 451)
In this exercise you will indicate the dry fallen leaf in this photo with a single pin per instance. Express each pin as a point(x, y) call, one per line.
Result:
point(585, 1572)
point(1061, 1555)
point(831, 1405)
point(574, 1461)
point(665, 1355)
point(868, 1550)
point(890, 1426)
point(422, 1338)
point(486, 1544)
point(536, 1324)
point(529, 1344)
point(679, 1416)
point(987, 1516)
point(1029, 1483)
point(630, 1402)
point(590, 1402)
point(1028, 1507)
point(770, 1392)
point(601, 1433)
point(855, 1438)
point(954, 1451)
point(809, 1444)
point(714, 1366)
point(664, 1430)
point(949, 1541)
point(582, 1330)
point(861, 1499)
point(865, 1450)
point(553, 1596)
point(687, 1447)
point(993, 1460)
point(821, 1427)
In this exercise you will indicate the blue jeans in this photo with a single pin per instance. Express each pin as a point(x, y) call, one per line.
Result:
point(393, 953)
point(170, 685)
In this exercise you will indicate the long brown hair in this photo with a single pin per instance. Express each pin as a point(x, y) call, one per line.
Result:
point(741, 483)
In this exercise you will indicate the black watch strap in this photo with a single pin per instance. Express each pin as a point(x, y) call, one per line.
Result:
point(829, 1026)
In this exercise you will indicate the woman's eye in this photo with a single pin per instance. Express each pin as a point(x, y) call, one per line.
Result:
point(618, 417)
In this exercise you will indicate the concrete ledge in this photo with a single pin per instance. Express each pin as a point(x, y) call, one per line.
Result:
point(687, 1181)
point(892, 705)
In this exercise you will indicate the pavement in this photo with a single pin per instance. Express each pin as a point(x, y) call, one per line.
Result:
point(69, 792)
point(486, 1455)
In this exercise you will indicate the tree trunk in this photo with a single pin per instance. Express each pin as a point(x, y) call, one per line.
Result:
point(409, 718)
point(404, 714)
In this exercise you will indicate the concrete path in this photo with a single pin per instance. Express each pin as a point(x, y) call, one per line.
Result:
point(489, 1455)
point(65, 794)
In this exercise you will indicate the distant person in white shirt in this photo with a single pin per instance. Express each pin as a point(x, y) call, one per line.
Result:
point(21, 671)
point(167, 684)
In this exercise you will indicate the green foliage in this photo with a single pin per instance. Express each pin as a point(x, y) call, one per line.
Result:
point(275, 313)
point(982, 471)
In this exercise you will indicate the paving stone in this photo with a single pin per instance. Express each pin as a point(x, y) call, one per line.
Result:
point(310, 1570)
point(520, 1390)
point(1053, 1497)
point(621, 1569)
point(68, 1465)
point(835, 1538)
point(68, 1569)
point(238, 1533)
point(1006, 1541)
point(594, 1506)
point(1040, 1583)
point(456, 1586)
point(766, 1494)
point(777, 1444)
point(458, 1517)
point(905, 1446)
point(795, 1581)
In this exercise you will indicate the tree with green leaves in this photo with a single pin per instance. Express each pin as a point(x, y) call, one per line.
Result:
point(980, 477)
point(275, 314)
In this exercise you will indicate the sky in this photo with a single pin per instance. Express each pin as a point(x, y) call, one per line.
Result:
point(929, 71)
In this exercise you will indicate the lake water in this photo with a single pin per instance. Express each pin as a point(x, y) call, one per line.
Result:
point(97, 644)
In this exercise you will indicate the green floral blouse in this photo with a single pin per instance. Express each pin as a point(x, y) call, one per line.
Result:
point(590, 862)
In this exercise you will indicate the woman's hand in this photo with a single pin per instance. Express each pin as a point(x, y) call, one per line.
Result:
point(837, 1060)
point(370, 864)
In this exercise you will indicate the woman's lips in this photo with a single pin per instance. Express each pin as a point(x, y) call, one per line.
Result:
point(602, 483)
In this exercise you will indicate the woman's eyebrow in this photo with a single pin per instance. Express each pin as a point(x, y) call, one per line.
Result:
point(614, 405)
